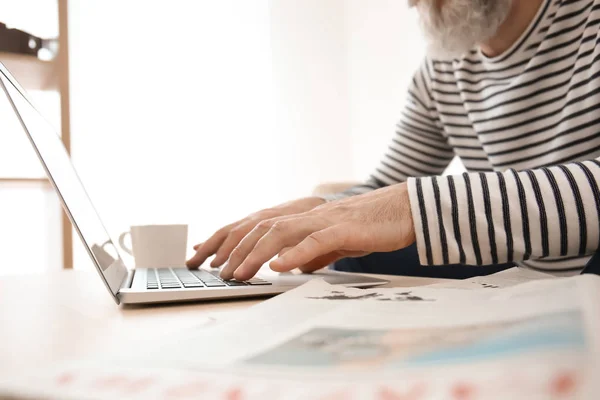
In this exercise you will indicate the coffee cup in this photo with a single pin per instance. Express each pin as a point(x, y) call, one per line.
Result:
point(156, 246)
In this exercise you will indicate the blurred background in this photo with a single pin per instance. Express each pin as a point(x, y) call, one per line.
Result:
point(197, 112)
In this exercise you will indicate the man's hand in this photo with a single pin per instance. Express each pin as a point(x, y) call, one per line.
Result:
point(379, 221)
point(226, 239)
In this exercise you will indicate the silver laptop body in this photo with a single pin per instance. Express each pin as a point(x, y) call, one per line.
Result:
point(137, 285)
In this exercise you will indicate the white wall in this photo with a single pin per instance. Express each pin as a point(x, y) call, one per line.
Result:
point(311, 91)
point(342, 68)
point(341, 72)
point(172, 110)
point(384, 50)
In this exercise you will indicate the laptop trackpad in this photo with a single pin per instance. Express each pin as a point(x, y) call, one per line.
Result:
point(331, 277)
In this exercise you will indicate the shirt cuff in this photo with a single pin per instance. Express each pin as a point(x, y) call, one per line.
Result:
point(422, 206)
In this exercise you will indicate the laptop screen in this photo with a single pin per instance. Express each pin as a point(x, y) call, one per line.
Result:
point(65, 180)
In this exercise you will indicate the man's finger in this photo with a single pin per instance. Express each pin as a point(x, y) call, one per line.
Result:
point(315, 245)
point(197, 246)
point(233, 239)
point(245, 247)
point(282, 234)
point(208, 248)
point(320, 262)
point(285, 250)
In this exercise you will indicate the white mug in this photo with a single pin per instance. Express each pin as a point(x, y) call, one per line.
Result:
point(156, 246)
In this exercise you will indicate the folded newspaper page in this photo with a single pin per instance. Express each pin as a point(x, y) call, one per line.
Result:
point(502, 340)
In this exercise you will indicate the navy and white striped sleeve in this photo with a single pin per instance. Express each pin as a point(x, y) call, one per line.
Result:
point(418, 147)
point(510, 216)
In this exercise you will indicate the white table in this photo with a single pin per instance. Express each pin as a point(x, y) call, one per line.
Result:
point(66, 315)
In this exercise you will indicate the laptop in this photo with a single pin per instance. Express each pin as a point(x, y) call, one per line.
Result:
point(139, 286)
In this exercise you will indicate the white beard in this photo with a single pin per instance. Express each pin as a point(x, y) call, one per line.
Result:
point(460, 24)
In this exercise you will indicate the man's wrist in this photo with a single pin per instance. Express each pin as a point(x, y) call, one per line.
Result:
point(408, 217)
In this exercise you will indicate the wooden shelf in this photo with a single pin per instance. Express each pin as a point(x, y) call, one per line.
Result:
point(31, 72)
point(35, 74)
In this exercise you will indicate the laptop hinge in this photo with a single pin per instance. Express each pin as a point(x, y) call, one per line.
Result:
point(126, 284)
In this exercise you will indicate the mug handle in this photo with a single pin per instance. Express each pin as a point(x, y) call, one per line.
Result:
point(122, 243)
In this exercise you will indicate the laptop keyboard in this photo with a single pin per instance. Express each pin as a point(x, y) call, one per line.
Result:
point(183, 278)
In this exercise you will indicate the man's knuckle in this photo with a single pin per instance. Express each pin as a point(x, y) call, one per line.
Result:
point(342, 208)
point(237, 232)
point(316, 238)
point(280, 226)
point(264, 225)
point(256, 217)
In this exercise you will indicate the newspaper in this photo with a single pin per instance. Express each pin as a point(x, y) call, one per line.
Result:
point(533, 340)
point(499, 280)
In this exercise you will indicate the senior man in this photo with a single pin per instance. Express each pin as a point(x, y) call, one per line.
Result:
point(512, 87)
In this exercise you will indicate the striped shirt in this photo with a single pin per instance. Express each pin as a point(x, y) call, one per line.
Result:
point(526, 125)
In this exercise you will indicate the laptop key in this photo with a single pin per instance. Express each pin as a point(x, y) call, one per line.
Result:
point(235, 283)
point(214, 284)
point(193, 285)
point(259, 283)
point(255, 279)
